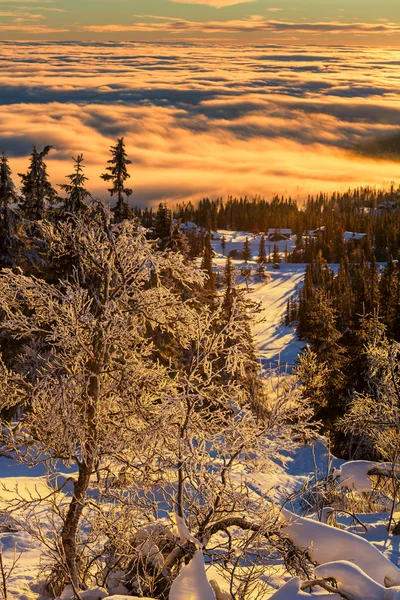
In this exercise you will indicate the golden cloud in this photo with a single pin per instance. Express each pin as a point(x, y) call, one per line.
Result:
point(203, 120)
point(214, 3)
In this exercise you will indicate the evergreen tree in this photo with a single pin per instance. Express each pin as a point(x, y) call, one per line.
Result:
point(262, 255)
point(246, 251)
point(207, 266)
point(276, 257)
point(8, 194)
point(76, 191)
point(37, 191)
point(118, 174)
point(163, 226)
point(229, 281)
point(223, 244)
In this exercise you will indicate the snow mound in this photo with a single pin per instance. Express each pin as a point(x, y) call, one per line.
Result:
point(117, 597)
point(354, 474)
point(95, 594)
point(352, 581)
point(291, 591)
point(327, 544)
point(192, 582)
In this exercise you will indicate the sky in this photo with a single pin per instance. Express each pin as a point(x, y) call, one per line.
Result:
point(256, 21)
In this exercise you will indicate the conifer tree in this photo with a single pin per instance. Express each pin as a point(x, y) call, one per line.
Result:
point(163, 225)
point(246, 251)
point(207, 266)
point(228, 280)
point(276, 258)
point(8, 194)
point(76, 191)
point(37, 191)
point(118, 174)
point(223, 244)
point(262, 255)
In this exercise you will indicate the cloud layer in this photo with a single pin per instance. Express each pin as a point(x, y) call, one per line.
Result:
point(205, 121)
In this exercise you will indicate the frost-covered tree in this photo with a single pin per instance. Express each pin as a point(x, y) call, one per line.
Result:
point(154, 438)
point(210, 434)
point(37, 193)
point(374, 415)
point(87, 372)
point(77, 194)
point(118, 174)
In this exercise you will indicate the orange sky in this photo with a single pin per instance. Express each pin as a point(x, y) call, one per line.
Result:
point(252, 21)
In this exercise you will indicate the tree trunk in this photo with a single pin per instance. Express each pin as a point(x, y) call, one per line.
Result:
point(70, 528)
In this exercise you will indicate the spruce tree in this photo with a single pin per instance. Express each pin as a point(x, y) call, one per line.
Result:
point(246, 251)
point(207, 266)
point(262, 255)
point(163, 226)
point(74, 203)
point(223, 244)
point(229, 282)
point(37, 193)
point(118, 174)
point(8, 194)
point(276, 258)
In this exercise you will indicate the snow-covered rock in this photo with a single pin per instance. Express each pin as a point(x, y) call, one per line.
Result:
point(328, 544)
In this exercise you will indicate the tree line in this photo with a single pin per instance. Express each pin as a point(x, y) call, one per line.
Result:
point(347, 316)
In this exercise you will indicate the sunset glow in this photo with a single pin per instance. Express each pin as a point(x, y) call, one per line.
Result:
point(203, 120)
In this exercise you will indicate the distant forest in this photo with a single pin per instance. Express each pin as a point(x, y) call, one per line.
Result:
point(374, 212)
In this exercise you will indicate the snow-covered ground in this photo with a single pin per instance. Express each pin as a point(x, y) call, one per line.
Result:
point(277, 345)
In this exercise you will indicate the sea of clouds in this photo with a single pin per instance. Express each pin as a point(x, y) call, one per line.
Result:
point(206, 120)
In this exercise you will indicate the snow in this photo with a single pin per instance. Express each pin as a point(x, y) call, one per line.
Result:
point(192, 582)
point(119, 597)
point(352, 235)
point(292, 590)
point(189, 225)
point(328, 544)
point(354, 475)
point(351, 580)
point(182, 532)
point(94, 594)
